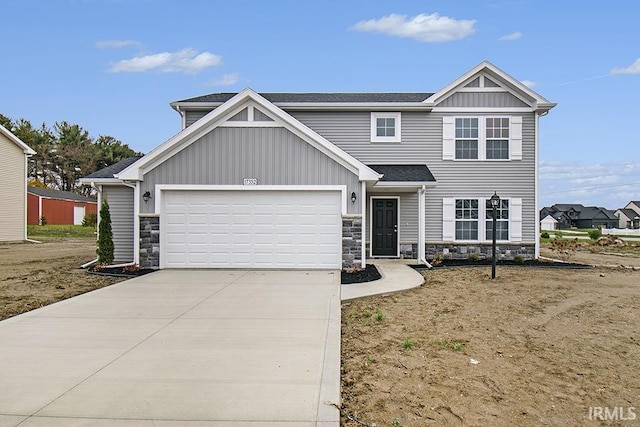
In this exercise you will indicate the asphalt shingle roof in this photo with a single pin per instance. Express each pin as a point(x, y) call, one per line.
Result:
point(321, 97)
point(57, 194)
point(629, 213)
point(404, 173)
point(115, 168)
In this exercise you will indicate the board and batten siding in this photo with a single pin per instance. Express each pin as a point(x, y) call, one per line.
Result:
point(227, 155)
point(483, 100)
point(13, 189)
point(120, 200)
point(421, 143)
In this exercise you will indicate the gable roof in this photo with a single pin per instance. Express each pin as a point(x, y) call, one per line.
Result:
point(27, 150)
point(534, 99)
point(112, 170)
point(219, 115)
point(629, 213)
point(57, 194)
point(316, 97)
point(404, 173)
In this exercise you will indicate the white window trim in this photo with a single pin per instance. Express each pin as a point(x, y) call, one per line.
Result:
point(380, 115)
point(482, 139)
point(482, 221)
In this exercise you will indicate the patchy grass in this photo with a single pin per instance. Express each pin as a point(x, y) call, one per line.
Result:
point(66, 231)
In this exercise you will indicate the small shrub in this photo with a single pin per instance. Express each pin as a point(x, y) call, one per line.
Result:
point(90, 219)
point(595, 234)
point(105, 236)
point(437, 259)
point(43, 220)
point(544, 235)
point(518, 259)
point(473, 257)
point(408, 344)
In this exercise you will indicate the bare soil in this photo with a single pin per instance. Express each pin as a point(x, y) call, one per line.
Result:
point(533, 347)
point(34, 275)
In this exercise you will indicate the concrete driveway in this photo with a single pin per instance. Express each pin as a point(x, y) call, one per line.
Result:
point(174, 348)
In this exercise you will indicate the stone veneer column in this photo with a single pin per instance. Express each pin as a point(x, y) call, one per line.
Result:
point(351, 241)
point(150, 241)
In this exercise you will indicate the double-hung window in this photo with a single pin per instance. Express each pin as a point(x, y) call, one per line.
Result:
point(502, 220)
point(466, 138)
point(482, 138)
point(467, 219)
point(385, 127)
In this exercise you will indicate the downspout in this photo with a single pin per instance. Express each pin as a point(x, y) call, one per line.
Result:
point(536, 188)
point(136, 222)
point(421, 227)
point(363, 206)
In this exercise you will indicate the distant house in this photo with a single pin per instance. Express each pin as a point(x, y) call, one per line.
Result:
point(629, 216)
point(549, 223)
point(579, 216)
point(57, 207)
point(13, 186)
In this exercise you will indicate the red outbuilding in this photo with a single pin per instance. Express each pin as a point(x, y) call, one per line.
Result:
point(57, 207)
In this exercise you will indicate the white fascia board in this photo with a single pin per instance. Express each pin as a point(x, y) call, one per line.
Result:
point(218, 116)
point(443, 93)
point(486, 110)
point(405, 184)
point(324, 106)
point(27, 150)
point(105, 181)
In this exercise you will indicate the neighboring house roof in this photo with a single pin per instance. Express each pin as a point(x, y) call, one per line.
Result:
point(593, 212)
point(314, 97)
point(629, 213)
point(16, 140)
point(549, 218)
point(111, 171)
point(57, 194)
point(404, 173)
point(564, 207)
point(218, 116)
point(560, 210)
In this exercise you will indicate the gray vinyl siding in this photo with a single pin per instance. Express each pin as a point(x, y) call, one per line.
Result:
point(421, 143)
point(259, 116)
point(193, 116)
point(242, 116)
point(482, 99)
point(120, 199)
point(274, 156)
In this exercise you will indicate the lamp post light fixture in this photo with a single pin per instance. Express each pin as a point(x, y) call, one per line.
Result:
point(495, 202)
point(353, 197)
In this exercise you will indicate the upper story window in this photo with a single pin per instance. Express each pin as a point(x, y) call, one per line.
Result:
point(385, 127)
point(482, 138)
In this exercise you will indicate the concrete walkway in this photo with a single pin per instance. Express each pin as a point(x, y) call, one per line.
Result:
point(396, 277)
point(179, 348)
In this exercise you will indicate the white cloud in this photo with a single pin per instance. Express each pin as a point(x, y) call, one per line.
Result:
point(510, 37)
point(425, 28)
point(225, 80)
point(611, 185)
point(105, 44)
point(529, 83)
point(631, 69)
point(183, 61)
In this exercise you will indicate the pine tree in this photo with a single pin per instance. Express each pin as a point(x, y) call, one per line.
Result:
point(105, 236)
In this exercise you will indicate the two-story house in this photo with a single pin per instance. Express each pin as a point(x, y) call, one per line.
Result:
point(327, 180)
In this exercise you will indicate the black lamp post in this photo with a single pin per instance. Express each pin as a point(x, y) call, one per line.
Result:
point(495, 202)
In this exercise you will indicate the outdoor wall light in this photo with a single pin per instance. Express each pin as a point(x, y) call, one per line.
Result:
point(353, 197)
point(146, 196)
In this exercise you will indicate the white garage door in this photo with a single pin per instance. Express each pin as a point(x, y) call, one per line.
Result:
point(251, 229)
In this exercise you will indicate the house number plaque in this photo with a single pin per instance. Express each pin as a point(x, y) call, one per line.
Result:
point(251, 181)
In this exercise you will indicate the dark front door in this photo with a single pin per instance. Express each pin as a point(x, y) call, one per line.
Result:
point(385, 227)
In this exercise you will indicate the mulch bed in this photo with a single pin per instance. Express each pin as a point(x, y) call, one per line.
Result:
point(368, 274)
point(487, 263)
point(120, 271)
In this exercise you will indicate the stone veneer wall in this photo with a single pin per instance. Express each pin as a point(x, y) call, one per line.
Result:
point(459, 251)
point(149, 242)
point(351, 241)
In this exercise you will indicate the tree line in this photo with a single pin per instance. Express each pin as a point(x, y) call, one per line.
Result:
point(65, 153)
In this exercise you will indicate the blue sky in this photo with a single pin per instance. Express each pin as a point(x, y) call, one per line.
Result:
point(113, 66)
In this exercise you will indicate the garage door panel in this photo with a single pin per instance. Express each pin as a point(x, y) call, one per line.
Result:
point(251, 229)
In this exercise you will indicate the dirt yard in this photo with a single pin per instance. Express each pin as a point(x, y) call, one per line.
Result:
point(534, 347)
point(33, 275)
